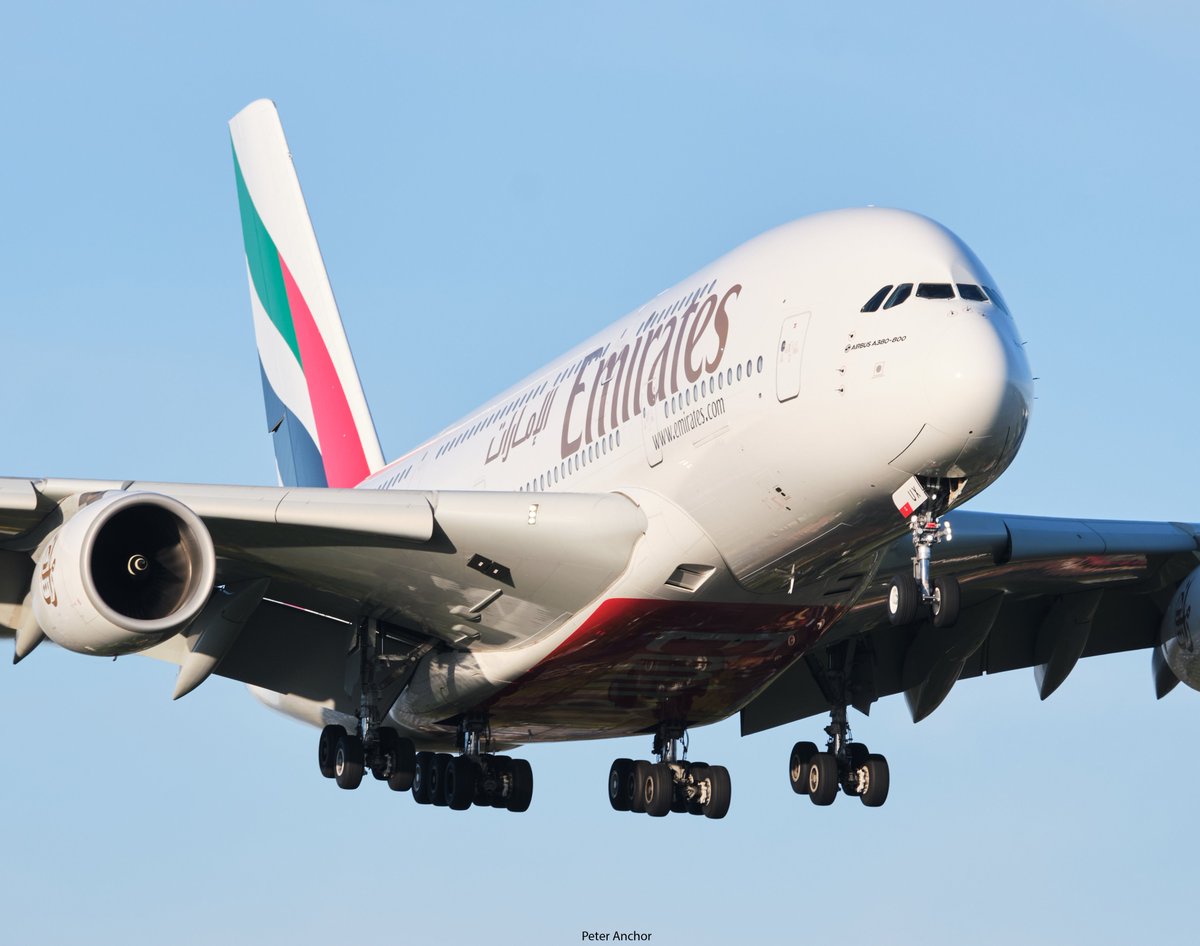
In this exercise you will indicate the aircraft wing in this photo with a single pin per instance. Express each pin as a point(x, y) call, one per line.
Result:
point(440, 568)
point(1036, 592)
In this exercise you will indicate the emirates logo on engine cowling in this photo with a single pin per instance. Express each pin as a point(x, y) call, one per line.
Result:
point(49, 594)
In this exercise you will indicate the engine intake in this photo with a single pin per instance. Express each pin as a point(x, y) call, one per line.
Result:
point(125, 572)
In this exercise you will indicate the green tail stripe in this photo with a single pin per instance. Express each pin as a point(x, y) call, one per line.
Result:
point(263, 259)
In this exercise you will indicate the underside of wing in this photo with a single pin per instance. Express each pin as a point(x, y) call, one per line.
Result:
point(1036, 592)
point(296, 570)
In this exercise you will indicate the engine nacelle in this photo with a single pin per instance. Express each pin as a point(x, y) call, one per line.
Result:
point(127, 571)
point(1180, 632)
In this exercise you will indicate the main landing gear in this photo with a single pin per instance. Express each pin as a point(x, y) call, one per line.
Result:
point(907, 593)
point(476, 777)
point(844, 764)
point(435, 778)
point(670, 784)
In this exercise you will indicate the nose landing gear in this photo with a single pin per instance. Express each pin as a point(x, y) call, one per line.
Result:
point(907, 593)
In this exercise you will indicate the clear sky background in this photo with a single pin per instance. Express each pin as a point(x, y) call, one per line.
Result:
point(491, 184)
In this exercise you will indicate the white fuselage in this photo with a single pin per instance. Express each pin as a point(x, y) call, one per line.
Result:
point(762, 421)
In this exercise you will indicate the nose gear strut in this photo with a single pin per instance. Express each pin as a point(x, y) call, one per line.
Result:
point(907, 593)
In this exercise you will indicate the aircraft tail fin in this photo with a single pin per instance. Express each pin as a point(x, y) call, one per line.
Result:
point(316, 411)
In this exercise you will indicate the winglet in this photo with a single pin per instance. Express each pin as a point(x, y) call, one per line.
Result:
point(316, 410)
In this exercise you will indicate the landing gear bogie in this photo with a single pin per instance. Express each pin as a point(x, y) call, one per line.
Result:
point(844, 764)
point(672, 784)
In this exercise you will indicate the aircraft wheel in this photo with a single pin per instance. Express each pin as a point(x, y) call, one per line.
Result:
point(719, 791)
point(904, 595)
point(696, 773)
point(946, 601)
point(618, 784)
point(327, 749)
point(822, 778)
point(522, 785)
point(878, 781)
point(401, 762)
point(348, 761)
point(422, 776)
point(503, 765)
point(802, 753)
point(437, 778)
point(658, 790)
point(637, 797)
point(858, 759)
point(460, 782)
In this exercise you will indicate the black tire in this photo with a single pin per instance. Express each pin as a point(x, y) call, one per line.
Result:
point(348, 762)
point(402, 765)
point(697, 773)
point(904, 596)
point(947, 600)
point(720, 791)
point(641, 772)
point(327, 749)
point(802, 752)
point(461, 776)
point(878, 782)
point(658, 789)
point(522, 786)
point(437, 779)
point(618, 784)
point(422, 777)
point(822, 778)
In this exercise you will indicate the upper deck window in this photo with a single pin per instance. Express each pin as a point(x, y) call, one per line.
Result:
point(935, 290)
point(899, 294)
point(971, 293)
point(876, 300)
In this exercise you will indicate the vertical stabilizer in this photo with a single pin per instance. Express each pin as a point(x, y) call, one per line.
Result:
point(316, 411)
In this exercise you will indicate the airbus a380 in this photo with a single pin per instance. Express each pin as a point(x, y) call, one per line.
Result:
point(738, 498)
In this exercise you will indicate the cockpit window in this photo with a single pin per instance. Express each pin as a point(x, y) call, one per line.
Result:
point(971, 293)
point(997, 298)
point(935, 290)
point(876, 300)
point(901, 292)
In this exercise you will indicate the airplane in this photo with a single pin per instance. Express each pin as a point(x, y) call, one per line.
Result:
point(740, 498)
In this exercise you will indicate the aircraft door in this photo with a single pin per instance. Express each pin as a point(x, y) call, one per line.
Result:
point(789, 355)
point(651, 434)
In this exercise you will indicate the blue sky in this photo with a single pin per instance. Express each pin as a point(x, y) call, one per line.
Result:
point(490, 185)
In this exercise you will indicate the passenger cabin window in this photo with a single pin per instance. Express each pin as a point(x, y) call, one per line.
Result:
point(876, 300)
point(971, 293)
point(935, 290)
point(899, 294)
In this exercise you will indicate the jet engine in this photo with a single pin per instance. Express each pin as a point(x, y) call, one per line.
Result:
point(1180, 632)
point(127, 571)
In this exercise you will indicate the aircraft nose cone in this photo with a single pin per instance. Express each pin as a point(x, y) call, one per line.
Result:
point(977, 393)
point(982, 385)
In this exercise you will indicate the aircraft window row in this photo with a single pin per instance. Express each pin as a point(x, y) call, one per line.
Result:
point(572, 464)
point(393, 480)
point(658, 316)
point(710, 386)
point(497, 415)
point(891, 296)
